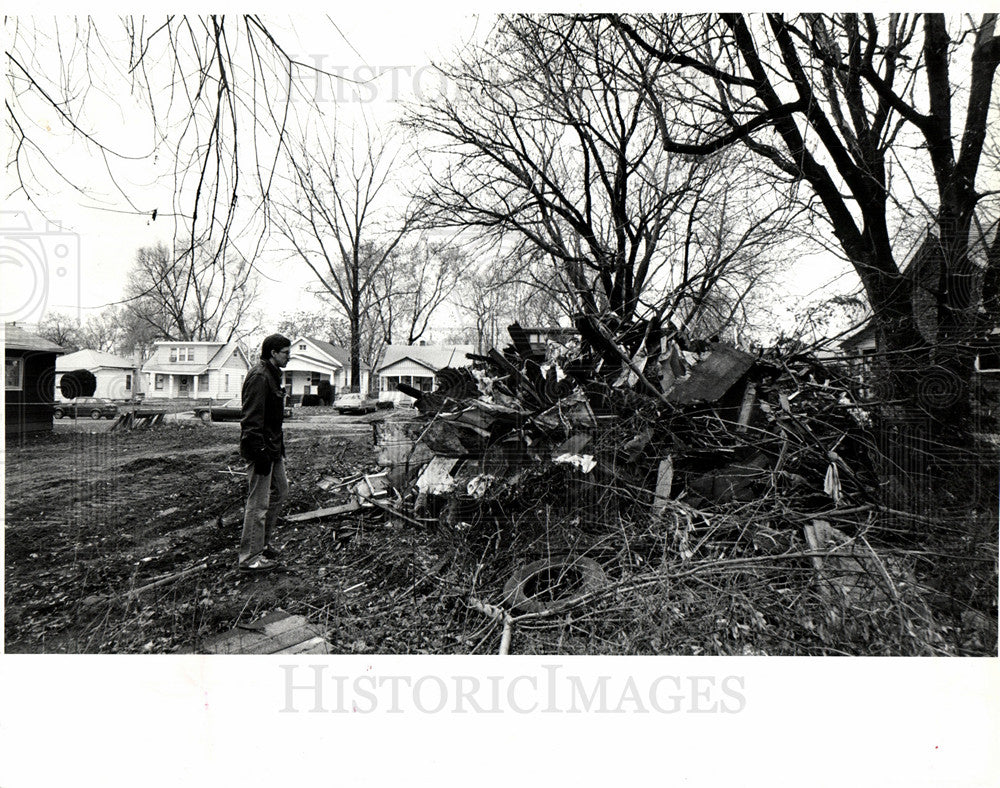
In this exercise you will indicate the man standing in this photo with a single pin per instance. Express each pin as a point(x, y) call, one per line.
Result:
point(262, 444)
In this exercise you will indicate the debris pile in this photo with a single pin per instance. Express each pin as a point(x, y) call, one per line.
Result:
point(703, 426)
point(571, 478)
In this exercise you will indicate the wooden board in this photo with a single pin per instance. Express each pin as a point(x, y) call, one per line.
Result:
point(351, 506)
point(276, 633)
point(712, 377)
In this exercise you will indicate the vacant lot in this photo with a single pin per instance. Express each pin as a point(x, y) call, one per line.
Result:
point(93, 515)
point(126, 543)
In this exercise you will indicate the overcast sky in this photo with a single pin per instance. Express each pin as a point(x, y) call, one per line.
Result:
point(102, 230)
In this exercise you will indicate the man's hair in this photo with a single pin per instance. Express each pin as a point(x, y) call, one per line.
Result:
point(272, 343)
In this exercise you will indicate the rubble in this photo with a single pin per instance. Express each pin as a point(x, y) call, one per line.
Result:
point(722, 428)
point(570, 468)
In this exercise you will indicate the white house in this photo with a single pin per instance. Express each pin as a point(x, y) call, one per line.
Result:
point(195, 370)
point(415, 366)
point(117, 377)
point(313, 361)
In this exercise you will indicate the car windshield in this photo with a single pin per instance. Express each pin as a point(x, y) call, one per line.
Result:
point(233, 403)
point(350, 397)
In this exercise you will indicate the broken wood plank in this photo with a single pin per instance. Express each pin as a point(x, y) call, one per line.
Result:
point(268, 619)
point(711, 377)
point(254, 632)
point(749, 397)
point(316, 645)
point(609, 344)
point(436, 478)
point(664, 481)
point(321, 648)
point(318, 514)
point(520, 339)
point(279, 632)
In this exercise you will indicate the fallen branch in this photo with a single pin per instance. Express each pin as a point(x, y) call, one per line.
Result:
point(396, 513)
point(497, 614)
point(168, 579)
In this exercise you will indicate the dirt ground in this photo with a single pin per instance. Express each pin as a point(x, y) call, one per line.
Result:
point(92, 515)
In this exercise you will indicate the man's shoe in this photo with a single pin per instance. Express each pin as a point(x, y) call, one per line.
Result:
point(258, 565)
point(271, 552)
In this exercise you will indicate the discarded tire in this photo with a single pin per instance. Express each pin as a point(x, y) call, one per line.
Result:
point(552, 584)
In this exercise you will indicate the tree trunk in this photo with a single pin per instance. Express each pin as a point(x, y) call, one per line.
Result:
point(355, 344)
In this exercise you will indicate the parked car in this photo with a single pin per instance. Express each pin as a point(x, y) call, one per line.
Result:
point(95, 407)
point(230, 410)
point(355, 403)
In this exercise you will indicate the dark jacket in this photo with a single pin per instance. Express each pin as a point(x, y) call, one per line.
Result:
point(261, 435)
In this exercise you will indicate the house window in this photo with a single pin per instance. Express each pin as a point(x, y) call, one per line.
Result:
point(423, 383)
point(173, 354)
point(302, 346)
point(13, 374)
point(159, 382)
point(128, 382)
point(226, 388)
point(314, 379)
point(203, 382)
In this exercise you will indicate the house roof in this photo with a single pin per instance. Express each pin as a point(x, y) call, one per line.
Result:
point(340, 354)
point(16, 338)
point(863, 334)
point(175, 369)
point(434, 357)
point(224, 353)
point(160, 361)
point(92, 359)
point(551, 330)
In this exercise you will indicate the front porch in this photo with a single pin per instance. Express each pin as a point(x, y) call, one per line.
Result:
point(299, 382)
point(172, 386)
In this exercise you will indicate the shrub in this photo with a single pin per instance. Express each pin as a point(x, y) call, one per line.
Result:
point(325, 392)
point(311, 399)
point(78, 383)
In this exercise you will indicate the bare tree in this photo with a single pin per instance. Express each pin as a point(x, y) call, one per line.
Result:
point(515, 287)
point(322, 324)
point(341, 223)
point(883, 118)
point(103, 331)
point(205, 101)
point(205, 296)
point(61, 329)
point(552, 142)
point(416, 281)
